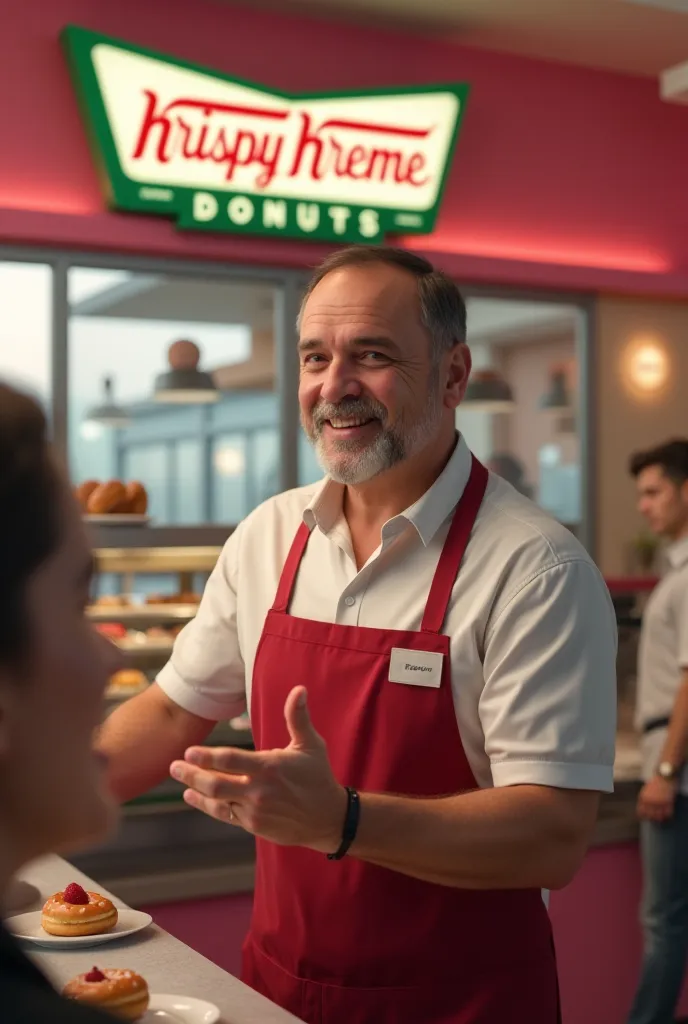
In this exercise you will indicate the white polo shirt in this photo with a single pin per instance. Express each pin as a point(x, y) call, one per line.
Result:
point(663, 655)
point(532, 627)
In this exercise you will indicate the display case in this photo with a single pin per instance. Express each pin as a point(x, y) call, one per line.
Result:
point(147, 586)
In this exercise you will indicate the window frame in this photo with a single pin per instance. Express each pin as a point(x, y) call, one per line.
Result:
point(288, 286)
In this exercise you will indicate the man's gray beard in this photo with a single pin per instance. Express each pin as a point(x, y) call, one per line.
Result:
point(388, 449)
point(385, 451)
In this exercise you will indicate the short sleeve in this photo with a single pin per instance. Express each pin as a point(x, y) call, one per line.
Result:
point(205, 674)
point(548, 706)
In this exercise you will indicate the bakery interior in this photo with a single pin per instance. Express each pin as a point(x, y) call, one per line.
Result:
point(166, 362)
point(200, 460)
point(173, 395)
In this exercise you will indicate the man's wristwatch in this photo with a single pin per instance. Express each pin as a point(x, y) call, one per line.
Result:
point(667, 770)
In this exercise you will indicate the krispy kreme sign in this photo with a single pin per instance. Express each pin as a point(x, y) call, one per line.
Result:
point(219, 154)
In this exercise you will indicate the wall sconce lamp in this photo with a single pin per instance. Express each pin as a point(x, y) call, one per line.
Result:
point(646, 367)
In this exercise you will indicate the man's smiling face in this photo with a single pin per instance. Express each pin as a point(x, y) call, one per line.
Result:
point(369, 390)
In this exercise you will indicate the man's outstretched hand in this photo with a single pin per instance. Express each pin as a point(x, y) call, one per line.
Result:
point(288, 796)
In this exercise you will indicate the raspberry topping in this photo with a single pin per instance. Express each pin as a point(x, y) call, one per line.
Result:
point(94, 975)
point(75, 894)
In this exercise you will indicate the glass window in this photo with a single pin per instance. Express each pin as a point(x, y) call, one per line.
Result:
point(189, 483)
point(264, 465)
point(121, 332)
point(26, 327)
point(230, 491)
point(310, 470)
point(531, 349)
point(151, 462)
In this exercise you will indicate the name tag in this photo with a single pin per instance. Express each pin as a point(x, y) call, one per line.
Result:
point(415, 668)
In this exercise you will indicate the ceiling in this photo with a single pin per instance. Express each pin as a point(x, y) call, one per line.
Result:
point(636, 36)
point(184, 300)
point(141, 297)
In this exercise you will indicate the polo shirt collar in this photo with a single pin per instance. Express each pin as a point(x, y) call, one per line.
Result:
point(426, 515)
point(678, 553)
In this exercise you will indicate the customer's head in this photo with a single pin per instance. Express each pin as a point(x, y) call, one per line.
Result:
point(383, 358)
point(661, 476)
point(53, 665)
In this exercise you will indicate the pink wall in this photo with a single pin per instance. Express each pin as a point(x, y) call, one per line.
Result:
point(563, 176)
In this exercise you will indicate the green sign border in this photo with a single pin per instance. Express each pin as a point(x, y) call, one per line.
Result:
point(124, 193)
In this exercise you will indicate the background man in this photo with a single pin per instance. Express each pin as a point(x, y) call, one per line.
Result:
point(661, 476)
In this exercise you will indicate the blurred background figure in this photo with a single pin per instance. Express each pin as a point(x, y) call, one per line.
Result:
point(661, 476)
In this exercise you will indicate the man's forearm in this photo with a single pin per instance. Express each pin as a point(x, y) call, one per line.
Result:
point(511, 837)
point(142, 737)
point(676, 743)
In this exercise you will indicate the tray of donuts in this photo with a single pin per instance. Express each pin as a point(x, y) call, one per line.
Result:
point(113, 502)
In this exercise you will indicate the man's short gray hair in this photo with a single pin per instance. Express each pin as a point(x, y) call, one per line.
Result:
point(442, 308)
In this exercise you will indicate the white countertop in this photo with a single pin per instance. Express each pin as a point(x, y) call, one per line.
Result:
point(166, 963)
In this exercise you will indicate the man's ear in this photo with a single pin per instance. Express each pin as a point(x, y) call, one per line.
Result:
point(458, 372)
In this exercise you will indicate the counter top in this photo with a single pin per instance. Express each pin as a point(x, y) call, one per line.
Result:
point(166, 963)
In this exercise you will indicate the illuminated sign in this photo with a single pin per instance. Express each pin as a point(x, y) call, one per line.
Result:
point(220, 154)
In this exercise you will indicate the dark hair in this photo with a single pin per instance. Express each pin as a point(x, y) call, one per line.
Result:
point(29, 519)
point(671, 457)
point(442, 308)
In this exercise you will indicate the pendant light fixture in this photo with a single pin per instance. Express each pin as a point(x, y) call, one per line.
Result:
point(487, 391)
point(184, 383)
point(108, 413)
point(557, 398)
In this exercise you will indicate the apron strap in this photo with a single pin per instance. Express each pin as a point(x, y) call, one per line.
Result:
point(291, 569)
point(454, 548)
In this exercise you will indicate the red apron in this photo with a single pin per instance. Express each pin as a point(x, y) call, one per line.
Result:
point(350, 943)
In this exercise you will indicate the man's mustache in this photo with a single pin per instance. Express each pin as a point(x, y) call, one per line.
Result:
point(359, 408)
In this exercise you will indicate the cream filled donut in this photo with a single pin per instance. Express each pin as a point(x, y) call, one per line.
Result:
point(121, 992)
point(77, 912)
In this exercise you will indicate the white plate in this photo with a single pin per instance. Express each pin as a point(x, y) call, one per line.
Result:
point(118, 519)
point(179, 1010)
point(146, 645)
point(28, 928)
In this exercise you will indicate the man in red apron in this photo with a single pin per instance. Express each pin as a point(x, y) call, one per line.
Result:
point(393, 885)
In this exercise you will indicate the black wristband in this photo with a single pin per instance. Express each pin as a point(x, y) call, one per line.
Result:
point(353, 813)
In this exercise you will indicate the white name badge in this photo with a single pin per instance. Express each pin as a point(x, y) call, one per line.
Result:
point(415, 668)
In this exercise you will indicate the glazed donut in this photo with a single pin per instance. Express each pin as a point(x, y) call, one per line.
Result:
point(137, 498)
point(122, 993)
point(84, 491)
point(107, 498)
point(112, 601)
point(77, 912)
point(128, 677)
